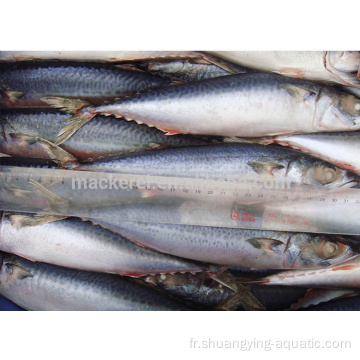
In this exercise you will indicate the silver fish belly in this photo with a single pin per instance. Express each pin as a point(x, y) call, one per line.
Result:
point(256, 249)
point(81, 245)
point(338, 67)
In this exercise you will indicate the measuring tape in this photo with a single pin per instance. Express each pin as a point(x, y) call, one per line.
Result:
point(188, 201)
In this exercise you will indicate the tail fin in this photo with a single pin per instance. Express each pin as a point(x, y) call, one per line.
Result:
point(242, 295)
point(71, 106)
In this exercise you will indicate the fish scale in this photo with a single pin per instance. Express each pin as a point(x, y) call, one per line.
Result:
point(101, 138)
point(38, 79)
point(245, 105)
point(40, 286)
point(84, 246)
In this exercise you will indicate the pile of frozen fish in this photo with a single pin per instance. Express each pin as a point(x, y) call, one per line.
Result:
point(291, 116)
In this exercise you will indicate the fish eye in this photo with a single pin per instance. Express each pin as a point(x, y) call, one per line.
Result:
point(329, 249)
point(325, 174)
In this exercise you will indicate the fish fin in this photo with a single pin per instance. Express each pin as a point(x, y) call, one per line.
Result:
point(38, 219)
point(71, 106)
point(53, 199)
point(264, 243)
point(299, 92)
point(12, 95)
point(56, 153)
point(171, 131)
point(19, 272)
point(317, 296)
point(291, 72)
point(265, 167)
point(235, 139)
point(265, 140)
point(77, 121)
point(16, 191)
point(129, 67)
point(221, 63)
point(242, 295)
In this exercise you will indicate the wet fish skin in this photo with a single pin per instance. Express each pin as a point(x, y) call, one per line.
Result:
point(340, 276)
point(207, 293)
point(245, 105)
point(86, 80)
point(96, 56)
point(338, 67)
point(340, 148)
point(104, 137)
point(40, 286)
point(190, 70)
point(81, 245)
point(315, 297)
point(242, 162)
point(255, 249)
point(199, 290)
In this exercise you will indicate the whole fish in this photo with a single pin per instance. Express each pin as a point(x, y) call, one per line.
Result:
point(339, 67)
point(190, 70)
point(237, 162)
point(40, 286)
point(340, 148)
point(22, 132)
point(31, 81)
point(255, 249)
point(81, 245)
point(340, 276)
point(97, 56)
point(245, 105)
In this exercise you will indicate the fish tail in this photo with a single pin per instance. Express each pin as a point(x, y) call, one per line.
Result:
point(55, 201)
point(242, 294)
point(71, 106)
point(77, 121)
point(79, 118)
point(56, 153)
point(32, 220)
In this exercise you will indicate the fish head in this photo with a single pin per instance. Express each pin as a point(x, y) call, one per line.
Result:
point(314, 172)
point(337, 111)
point(344, 66)
point(12, 269)
point(315, 251)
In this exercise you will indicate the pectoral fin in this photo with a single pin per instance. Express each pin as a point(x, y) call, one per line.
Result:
point(264, 243)
point(18, 272)
point(262, 167)
point(69, 105)
point(299, 92)
point(26, 220)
